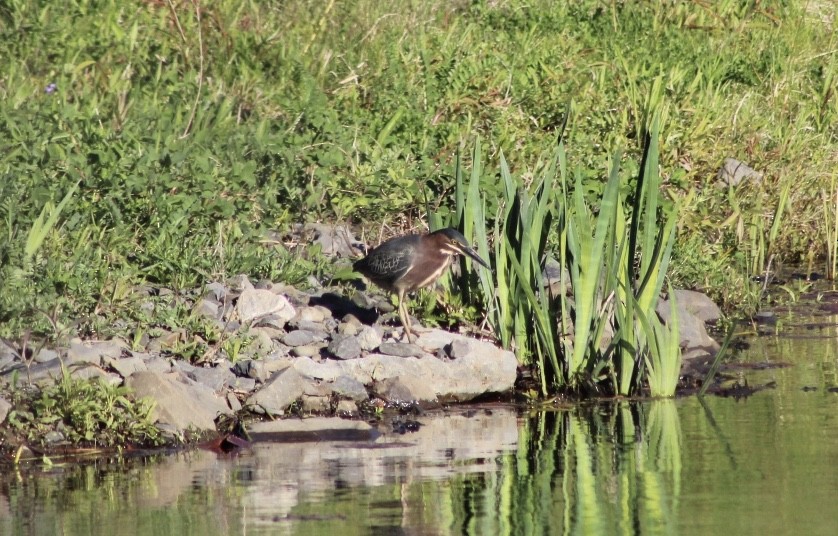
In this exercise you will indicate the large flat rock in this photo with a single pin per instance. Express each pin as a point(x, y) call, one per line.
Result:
point(180, 402)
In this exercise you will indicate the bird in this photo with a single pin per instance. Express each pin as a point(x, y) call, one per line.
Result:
point(407, 263)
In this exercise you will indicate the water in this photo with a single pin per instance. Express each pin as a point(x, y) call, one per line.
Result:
point(766, 464)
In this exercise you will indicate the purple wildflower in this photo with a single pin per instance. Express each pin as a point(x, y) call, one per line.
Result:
point(51, 87)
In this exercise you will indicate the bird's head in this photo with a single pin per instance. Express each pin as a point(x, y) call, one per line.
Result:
point(452, 242)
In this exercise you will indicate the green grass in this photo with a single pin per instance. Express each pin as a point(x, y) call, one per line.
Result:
point(189, 134)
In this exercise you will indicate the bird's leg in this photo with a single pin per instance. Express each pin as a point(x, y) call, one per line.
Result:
point(404, 315)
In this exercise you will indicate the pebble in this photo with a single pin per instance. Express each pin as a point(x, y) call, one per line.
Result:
point(347, 408)
point(369, 338)
point(298, 337)
point(239, 283)
point(316, 329)
point(216, 291)
point(399, 349)
point(348, 387)
point(309, 350)
point(316, 404)
point(344, 347)
point(352, 319)
point(348, 328)
point(324, 310)
point(310, 314)
point(206, 308)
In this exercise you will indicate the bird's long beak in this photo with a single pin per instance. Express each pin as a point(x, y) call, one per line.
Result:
point(473, 254)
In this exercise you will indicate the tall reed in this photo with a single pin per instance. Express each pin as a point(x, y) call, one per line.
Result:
point(614, 264)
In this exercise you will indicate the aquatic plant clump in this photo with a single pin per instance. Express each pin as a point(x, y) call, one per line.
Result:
point(614, 262)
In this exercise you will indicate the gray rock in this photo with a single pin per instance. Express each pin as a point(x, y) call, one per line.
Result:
point(279, 392)
point(266, 284)
point(353, 320)
point(348, 387)
point(8, 355)
point(334, 240)
point(254, 304)
point(243, 385)
point(125, 366)
point(297, 298)
point(349, 329)
point(88, 371)
point(142, 342)
point(552, 275)
point(54, 437)
point(261, 344)
point(94, 351)
point(406, 388)
point(231, 325)
point(400, 349)
point(170, 432)
point(280, 353)
point(695, 362)
point(315, 387)
point(45, 355)
point(699, 304)
point(692, 331)
point(701, 355)
point(157, 363)
point(216, 291)
point(5, 406)
point(273, 321)
point(148, 307)
point(309, 350)
point(369, 338)
point(272, 332)
point(167, 341)
point(458, 348)
point(184, 367)
point(347, 408)
point(216, 378)
point(249, 368)
point(143, 290)
point(179, 402)
point(310, 314)
point(327, 369)
point(319, 331)
point(207, 308)
point(298, 337)
point(233, 402)
point(325, 311)
point(240, 283)
point(733, 172)
point(316, 404)
point(344, 347)
point(38, 373)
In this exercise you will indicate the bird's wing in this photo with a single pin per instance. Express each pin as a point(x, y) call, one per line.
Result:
point(391, 263)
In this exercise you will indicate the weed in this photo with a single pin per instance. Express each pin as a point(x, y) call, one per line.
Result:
point(85, 412)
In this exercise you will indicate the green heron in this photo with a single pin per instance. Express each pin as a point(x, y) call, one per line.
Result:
point(408, 263)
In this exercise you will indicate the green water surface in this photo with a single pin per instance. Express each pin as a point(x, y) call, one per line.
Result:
point(766, 464)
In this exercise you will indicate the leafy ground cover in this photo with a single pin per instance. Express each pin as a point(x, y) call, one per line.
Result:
point(180, 132)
